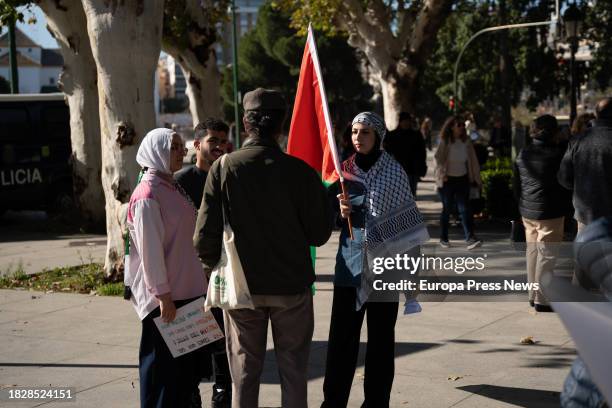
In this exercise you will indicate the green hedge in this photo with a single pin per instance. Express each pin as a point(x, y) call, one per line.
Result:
point(497, 178)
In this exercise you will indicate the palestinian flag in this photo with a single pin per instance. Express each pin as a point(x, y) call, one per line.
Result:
point(310, 135)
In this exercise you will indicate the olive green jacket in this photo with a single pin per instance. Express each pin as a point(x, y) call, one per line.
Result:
point(277, 207)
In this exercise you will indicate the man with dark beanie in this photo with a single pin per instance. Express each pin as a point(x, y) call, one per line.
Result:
point(587, 168)
point(277, 208)
point(543, 202)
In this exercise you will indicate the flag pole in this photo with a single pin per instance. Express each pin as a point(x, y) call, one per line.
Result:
point(331, 140)
point(348, 219)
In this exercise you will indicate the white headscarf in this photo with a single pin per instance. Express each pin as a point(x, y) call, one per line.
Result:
point(154, 151)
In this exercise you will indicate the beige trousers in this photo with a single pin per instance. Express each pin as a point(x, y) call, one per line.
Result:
point(246, 332)
point(543, 238)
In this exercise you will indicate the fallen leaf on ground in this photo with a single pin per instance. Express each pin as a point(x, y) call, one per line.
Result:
point(528, 340)
point(454, 377)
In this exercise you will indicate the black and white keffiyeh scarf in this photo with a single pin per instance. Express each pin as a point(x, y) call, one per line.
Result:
point(394, 224)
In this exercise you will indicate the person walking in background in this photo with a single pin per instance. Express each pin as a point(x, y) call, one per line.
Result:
point(586, 168)
point(500, 137)
point(470, 127)
point(278, 208)
point(407, 146)
point(346, 146)
point(426, 131)
point(381, 202)
point(164, 271)
point(543, 202)
point(456, 171)
point(210, 142)
point(477, 201)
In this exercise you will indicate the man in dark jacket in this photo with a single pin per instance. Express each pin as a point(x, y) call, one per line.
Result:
point(210, 143)
point(407, 146)
point(277, 208)
point(587, 168)
point(543, 202)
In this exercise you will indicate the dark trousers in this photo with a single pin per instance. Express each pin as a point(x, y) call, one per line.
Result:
point(456, 190)
point(343, 348)
point(220, 364)
point(413, 180)
point(165, 381)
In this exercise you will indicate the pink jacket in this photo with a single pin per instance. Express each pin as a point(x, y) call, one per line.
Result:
point(162, 258)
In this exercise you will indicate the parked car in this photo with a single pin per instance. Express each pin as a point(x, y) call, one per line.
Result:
point(35, 152)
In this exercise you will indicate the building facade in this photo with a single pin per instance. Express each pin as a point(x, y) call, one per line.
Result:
point(246, 18)
point(38, 68)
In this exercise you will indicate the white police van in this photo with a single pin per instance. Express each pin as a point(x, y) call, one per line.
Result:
point(35, 153)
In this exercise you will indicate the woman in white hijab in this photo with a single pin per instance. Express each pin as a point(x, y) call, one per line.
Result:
point(164, 271)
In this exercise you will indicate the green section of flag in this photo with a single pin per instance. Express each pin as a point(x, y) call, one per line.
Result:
point(313, 257)
point(313, 250)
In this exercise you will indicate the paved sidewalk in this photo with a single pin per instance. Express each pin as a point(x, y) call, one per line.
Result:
point(24, 248)
point(453, 354)
point(450, 355)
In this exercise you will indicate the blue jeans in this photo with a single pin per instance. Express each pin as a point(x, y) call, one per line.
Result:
point(456, 190)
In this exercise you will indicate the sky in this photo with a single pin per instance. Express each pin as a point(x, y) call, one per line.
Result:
point(37, 32)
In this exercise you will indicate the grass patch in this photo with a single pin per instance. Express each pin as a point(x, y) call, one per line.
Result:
point(76, 279)
point(111, 289)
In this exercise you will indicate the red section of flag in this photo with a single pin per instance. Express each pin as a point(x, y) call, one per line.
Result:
point(308, 133)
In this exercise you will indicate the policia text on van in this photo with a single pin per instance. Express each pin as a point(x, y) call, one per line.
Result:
point(35, 152)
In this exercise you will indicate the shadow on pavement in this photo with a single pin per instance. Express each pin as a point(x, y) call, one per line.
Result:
point(33, 226)
point(520, 397)
point(68, 365)
point(318, 352)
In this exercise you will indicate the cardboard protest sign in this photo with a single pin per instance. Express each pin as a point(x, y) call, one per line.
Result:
point(191, 329)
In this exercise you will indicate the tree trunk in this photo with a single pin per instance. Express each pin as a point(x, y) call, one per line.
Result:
point(125, 39)
point(396, 55)
point(192, 48)
point(204, 90)
point(78, 80)
point(398, 90)
point(203, 83)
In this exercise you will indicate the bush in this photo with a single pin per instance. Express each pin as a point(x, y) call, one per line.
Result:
point(497, 175)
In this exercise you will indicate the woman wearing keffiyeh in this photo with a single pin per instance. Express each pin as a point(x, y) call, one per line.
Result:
point(386, 223)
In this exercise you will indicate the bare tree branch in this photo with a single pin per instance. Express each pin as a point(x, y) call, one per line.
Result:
point(430, 19)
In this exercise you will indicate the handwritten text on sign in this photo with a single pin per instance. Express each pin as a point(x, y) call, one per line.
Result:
point(191, 329)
